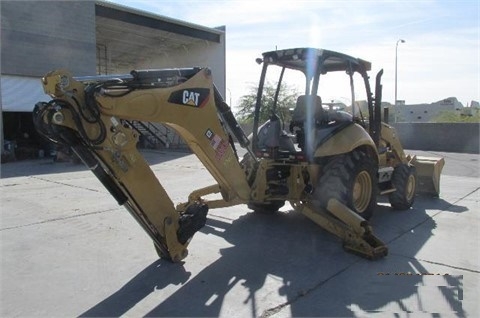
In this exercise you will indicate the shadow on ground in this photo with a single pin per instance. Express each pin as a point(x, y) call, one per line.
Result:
point(49, 166)
point(316, 277)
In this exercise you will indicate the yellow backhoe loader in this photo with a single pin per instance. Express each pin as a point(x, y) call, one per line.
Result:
point(330, 163)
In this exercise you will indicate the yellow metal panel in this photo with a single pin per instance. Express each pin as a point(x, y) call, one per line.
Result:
point(196, 121)
point(349, 139)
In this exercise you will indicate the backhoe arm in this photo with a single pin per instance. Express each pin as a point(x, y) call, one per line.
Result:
point(89, 116)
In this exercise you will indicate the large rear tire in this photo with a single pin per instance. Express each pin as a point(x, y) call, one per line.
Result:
point(404, 179)
point(351, 179)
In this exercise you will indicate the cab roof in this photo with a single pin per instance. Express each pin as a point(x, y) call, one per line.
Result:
point(302, 58)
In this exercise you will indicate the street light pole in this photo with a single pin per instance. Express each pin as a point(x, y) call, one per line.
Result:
point(396, 67)
point(230, 97)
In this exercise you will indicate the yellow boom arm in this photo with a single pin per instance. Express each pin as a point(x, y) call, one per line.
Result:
point(90, 117)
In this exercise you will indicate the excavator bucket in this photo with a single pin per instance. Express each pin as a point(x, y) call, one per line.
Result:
point(429, 170)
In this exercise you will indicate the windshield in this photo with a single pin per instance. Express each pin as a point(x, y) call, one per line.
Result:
point(337, 90)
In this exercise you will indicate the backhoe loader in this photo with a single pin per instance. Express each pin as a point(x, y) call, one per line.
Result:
point(329, 163)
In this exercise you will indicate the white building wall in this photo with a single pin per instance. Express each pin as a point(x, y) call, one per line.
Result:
point(423, 113)
point(21, 93)
point(205, 54)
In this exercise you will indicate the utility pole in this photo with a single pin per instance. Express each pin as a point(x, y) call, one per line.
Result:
point(396, 68)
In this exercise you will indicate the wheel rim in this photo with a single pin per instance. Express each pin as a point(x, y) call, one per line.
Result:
point(362, 191)
point(410, 189)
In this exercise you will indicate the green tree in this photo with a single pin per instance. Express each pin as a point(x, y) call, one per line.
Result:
point(287, 98)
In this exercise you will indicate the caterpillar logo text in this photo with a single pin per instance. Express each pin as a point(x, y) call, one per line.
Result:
point(190, 98)
point(195, 97)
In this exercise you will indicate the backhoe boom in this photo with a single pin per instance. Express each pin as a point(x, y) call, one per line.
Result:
point(88, 117)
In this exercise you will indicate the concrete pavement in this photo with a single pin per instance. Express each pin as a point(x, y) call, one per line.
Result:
point(67, 249)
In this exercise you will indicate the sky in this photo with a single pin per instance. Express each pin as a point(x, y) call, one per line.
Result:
point(440, 57)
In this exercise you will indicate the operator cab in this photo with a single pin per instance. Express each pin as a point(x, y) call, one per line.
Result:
point(295, 135)
point(273, 141)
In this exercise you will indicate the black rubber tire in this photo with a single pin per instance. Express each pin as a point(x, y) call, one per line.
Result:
point(404, 179)
point(351, 179)
point(266, 208)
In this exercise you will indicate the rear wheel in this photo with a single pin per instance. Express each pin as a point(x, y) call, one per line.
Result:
point(404, 179)
point(351, 179)
point(266, 208)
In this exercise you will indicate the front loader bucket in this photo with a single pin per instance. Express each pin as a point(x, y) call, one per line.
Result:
point(428, 174)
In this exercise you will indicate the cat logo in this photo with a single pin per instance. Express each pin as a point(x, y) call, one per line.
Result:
point(194, 97)
point(190, 98)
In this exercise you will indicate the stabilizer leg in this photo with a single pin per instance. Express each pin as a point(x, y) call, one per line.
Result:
point(356, 234)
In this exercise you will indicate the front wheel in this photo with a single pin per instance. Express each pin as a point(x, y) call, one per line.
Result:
point(404, 180)
point(351, 179)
